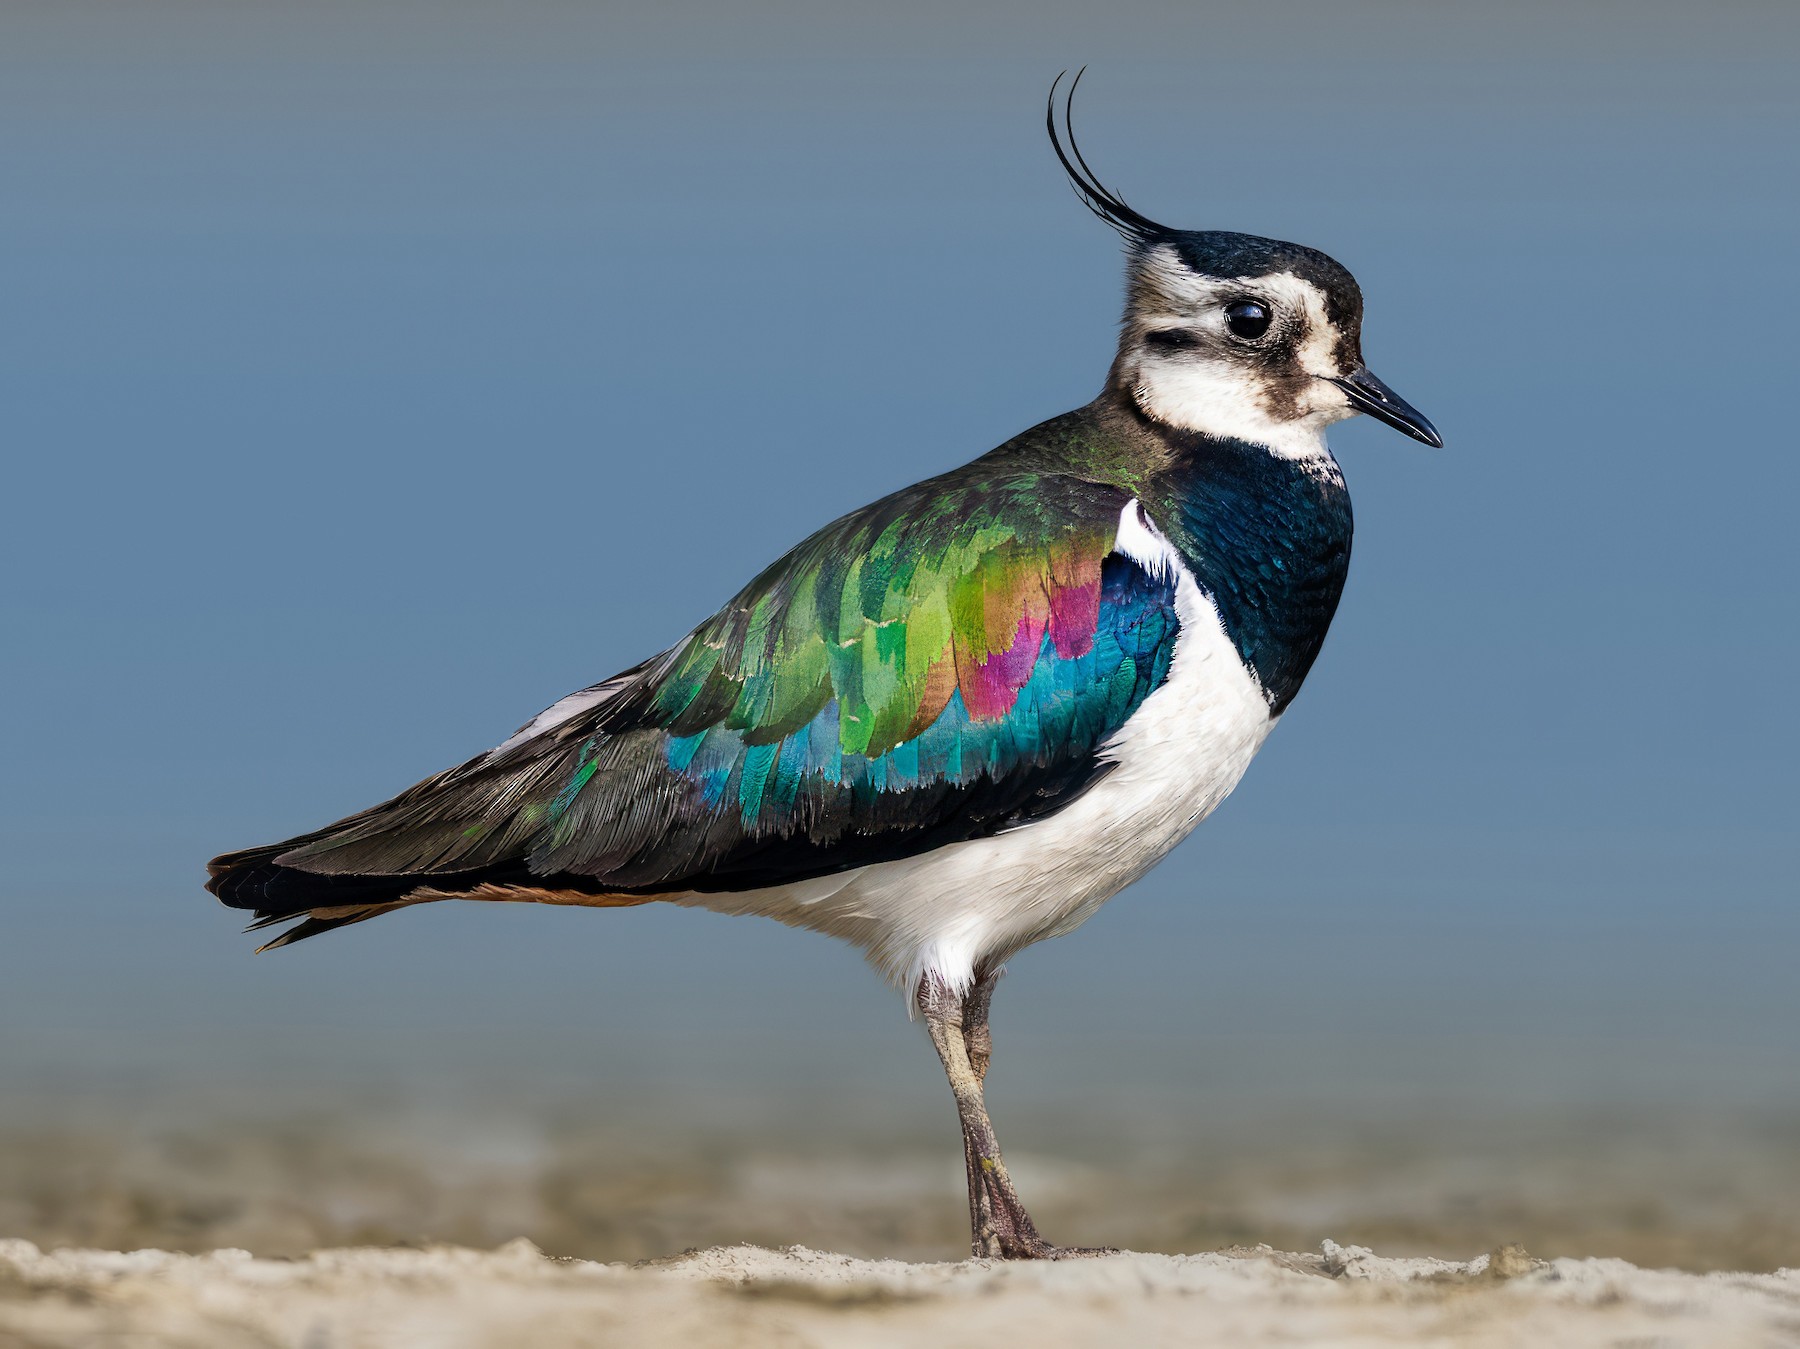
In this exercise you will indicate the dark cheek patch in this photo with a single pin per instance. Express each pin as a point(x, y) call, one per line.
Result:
point(1277, 370)
point(1174, 339)
point(1281, 395)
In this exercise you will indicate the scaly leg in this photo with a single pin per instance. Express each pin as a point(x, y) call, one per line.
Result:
point(979, 1041)
point(976, 1035)
point(999, 1225)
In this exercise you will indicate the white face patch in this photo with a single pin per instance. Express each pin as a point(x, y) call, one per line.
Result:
point(1217, 387)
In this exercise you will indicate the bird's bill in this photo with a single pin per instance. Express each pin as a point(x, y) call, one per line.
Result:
point(1370, 395)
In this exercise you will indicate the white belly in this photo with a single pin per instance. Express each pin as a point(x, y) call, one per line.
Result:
point(950, 910)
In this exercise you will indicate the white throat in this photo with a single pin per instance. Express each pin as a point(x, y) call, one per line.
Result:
point(1214, 402)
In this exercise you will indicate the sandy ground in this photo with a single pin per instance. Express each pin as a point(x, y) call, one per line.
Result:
point(341, 1228)
point(455, 1298)
point(608, 1184)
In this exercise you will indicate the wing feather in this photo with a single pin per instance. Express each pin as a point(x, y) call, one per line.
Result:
point(941, 665)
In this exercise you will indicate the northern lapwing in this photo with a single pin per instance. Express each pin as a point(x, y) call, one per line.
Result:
point(957, 721)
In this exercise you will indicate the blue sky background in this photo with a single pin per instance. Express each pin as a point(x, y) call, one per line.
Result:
point(371, 375)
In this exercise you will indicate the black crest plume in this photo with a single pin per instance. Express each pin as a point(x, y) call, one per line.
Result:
point(1106, 204)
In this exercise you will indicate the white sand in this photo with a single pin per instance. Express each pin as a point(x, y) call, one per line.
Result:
point(454, 1298)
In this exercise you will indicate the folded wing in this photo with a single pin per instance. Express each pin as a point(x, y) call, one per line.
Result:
point(944, 664)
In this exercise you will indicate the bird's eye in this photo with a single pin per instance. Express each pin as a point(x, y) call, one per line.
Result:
point(1248, 319)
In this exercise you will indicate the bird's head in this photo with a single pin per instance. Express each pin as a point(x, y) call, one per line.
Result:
point(1235, 335)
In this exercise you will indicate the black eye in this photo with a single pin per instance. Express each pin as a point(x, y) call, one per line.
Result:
point(1247, 318)
point(1173, 339)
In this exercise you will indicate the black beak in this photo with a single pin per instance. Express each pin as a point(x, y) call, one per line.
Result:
point(1370, 395)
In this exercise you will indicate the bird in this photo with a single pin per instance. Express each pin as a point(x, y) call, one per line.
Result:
point(955, 722)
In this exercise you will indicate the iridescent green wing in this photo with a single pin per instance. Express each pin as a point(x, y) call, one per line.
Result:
point(936, 667)
point(941, 665)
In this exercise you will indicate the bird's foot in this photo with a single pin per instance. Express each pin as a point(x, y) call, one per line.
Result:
point(1005, 1230)
point(1040, 1249)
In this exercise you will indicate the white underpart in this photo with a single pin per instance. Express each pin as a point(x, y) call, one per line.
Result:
point(948, 911)
point(1217, 396)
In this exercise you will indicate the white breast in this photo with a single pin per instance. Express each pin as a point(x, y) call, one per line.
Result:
point(981, 901)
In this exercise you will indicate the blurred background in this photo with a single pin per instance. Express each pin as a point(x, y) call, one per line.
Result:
point(373, 374)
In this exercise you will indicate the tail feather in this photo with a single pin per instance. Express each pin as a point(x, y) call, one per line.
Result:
point(464, 833)
point(313, 926)
point(257, 880)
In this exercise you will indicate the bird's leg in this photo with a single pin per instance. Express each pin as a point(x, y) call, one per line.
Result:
point(979, 1041)
point(999, 1225)
point(976, 1035)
